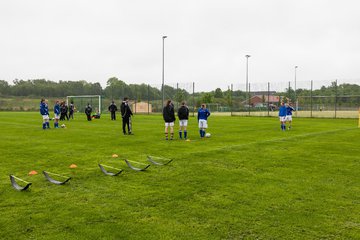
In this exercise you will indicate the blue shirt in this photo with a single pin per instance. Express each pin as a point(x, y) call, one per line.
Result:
point(282, 111)
point(57, 109)
point(289, 110)
point(44, 109)
point(203, 114)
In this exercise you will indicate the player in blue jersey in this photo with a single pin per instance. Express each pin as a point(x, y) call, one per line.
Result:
point(203, 114)
point(282, 116)
point(44, 111)
point(56, 114)
point(289, 110)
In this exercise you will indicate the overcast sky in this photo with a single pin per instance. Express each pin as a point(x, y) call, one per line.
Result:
point(94, 40)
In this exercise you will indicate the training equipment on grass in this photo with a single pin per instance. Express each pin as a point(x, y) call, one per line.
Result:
point(33, 172)
point(135, 168)
point(110, 173)
point(164, 161)
point(207, 135)
point(16, 185)
point(50, 179)
point(73, 166)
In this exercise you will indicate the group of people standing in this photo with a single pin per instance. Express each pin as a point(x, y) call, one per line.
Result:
point(168, 116)
point(285, 115)
point(183, 115)
point(60, 112)
point(61, 109)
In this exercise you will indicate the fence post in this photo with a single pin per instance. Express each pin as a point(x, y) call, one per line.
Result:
point(311, 99)
point(249, 100)
point(268, 98)
point(335, 97)
point(289, 90)
point(148, 98)
point(194, 99)
point(231, 102)
point(177, 95)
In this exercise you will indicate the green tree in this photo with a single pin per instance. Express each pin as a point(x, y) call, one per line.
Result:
point(4, 87)
point(207, 98)
point(218, 93)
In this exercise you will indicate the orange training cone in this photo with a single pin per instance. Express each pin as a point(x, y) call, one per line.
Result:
point(115, 155)
point(73, 166)
point(33, 172)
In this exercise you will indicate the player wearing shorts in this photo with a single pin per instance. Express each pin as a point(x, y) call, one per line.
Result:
point(282, 116)
point(44, 111)
point(203, 114)
point(169, 118)
point(183, 115)
point(289, 110)
point(56, 114)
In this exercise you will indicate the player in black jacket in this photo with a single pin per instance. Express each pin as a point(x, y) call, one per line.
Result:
point(88, 111)
point(169, 118)
point(126, 116)
point(112, 109)
point(183, 115)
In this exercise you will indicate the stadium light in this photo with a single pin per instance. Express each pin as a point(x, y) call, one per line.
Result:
point(247, 73)
point(163, 73)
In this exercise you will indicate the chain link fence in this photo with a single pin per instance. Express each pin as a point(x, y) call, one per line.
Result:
point(310, 99)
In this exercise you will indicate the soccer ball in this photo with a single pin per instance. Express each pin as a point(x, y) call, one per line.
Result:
point(207, 135)
point(63, 126)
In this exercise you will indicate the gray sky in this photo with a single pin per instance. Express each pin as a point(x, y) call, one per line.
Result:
point(207, 40)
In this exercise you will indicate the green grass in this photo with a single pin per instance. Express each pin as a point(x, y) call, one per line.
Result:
point(248, 181)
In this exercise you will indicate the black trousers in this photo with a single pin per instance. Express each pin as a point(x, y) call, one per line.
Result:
point(113, 116)
point(88, 117)
point(126, 121)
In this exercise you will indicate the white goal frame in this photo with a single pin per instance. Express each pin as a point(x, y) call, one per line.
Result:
point(85, 96)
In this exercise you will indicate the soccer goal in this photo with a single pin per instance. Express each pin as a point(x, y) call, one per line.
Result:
point(80, 102)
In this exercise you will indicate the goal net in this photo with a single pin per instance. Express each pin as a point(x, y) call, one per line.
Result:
point(80, 102)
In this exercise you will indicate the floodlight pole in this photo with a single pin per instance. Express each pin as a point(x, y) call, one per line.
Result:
point(163, 71)
point(296, 102)
point(247, 74)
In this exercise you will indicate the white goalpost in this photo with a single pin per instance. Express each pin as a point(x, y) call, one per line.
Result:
point(81, 102)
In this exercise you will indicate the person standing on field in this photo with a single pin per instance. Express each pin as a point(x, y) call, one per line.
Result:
point(88, 111)
point(44, 111)
point(126, 114)
point(56, 114)
point(71, 110)
point(282, 116)
point(112, 109)
point(183, 115)
point(289, 110)
point(203, 114)
point(63, 111)
point(169, 118)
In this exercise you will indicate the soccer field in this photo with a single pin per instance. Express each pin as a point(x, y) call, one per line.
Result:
point(249, 180)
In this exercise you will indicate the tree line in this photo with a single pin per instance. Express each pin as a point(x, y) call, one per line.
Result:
point(116, 88)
